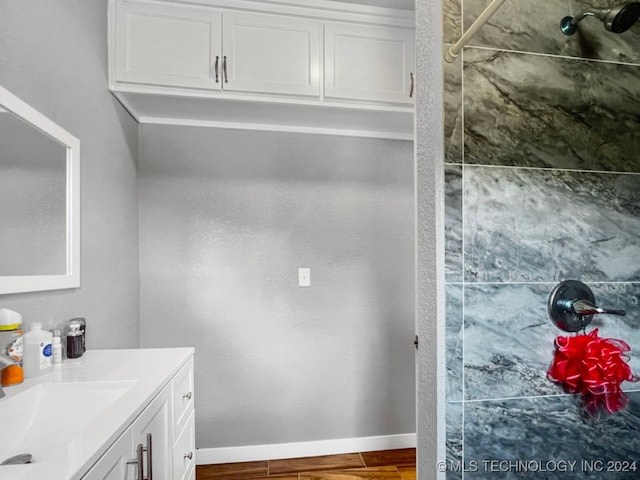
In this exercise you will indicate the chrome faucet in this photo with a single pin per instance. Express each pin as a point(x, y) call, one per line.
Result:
point(7, 361)
point(585, 307)
point(572, 305)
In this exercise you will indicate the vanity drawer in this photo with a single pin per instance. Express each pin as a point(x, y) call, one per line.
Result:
point(183, 396)
point(184, 451)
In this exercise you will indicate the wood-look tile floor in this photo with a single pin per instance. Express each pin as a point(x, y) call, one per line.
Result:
point(380, 465)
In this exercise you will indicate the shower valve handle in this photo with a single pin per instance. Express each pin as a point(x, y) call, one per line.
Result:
point(583, 308)
point(572, 305)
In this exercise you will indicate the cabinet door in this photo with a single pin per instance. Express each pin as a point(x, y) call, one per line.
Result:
point(271, 54)
point(184, 451)
point(113, 465)
point(159, 44)
point(154, 423)
point(183, 396)
point(369, 63)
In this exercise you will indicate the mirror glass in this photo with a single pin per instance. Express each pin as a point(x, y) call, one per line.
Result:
point(39, 211)
point(33, 211)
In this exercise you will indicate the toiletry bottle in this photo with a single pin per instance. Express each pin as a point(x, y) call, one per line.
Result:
point(57, 348)
point(74, 341)
point(38, 351)
point(11, 347)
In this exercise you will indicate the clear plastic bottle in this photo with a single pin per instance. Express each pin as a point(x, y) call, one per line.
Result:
point(57, 348)
point(37, 357)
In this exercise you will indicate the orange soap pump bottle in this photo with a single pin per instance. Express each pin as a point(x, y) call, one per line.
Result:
point(11, 347)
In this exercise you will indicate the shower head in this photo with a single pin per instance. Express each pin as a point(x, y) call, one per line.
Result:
point(616, 19)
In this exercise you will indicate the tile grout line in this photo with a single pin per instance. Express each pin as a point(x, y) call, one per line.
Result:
point(550, 168)
point(553, 55)
point(463, 219)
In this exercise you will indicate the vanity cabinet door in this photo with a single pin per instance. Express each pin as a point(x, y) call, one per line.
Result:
point(168, 45)
point(153, 429)
point(183, 396)
point(369, 63)
point(271, 54)
point(184, 451)
point(116, 463)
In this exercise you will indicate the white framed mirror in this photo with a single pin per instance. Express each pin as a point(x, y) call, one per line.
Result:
point(39, 201)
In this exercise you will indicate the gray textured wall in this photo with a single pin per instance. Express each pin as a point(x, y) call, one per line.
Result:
point(543, 184)
point(53, 55)
point(226, 218)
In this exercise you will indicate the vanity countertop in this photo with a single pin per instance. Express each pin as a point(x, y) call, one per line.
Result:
point(148, 370)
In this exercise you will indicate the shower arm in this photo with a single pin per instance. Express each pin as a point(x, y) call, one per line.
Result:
point(488, 12)
point(587, 13)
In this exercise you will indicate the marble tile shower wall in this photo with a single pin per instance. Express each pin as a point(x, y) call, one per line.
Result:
point(542, 176)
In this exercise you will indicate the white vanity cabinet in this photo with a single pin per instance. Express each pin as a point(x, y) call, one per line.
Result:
point(369, 63)
point(160, 44)
point(162, 437)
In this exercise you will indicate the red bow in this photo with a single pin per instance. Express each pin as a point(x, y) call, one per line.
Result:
point(594, 367)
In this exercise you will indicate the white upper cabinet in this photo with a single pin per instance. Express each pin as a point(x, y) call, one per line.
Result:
point(193, 47)
point(271, 54)
point(282, 65)
point(166, 45)
point(369, 63)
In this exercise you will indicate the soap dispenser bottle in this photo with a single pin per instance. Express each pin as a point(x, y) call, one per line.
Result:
point(37, 358)
point(74, 341)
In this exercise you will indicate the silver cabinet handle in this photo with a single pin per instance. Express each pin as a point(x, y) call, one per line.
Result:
point(187, 395)
point(412, 83)
point(224, 69)
point(217, 64)
point(149, 458)
point(140, 462)
point(188, 455)
point(140, 450)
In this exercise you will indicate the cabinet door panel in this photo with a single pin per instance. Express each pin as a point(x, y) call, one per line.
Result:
point(271, 54)
point(368, 62)
point(184, 451)
point(167, 45)
point(113, 464)
point(156, 420)
point(183, 396)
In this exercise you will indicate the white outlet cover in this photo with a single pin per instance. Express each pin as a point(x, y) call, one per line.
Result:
point(304, 277)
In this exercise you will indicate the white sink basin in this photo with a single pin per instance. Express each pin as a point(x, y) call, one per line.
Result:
point(46, 416)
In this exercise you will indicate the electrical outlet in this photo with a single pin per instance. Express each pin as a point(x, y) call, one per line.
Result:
point(304, 277)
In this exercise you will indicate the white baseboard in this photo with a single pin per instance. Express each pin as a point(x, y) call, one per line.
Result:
point(206, 456)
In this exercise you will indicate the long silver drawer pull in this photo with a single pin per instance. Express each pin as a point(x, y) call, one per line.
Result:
point(224, 69)
point(216, 68)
